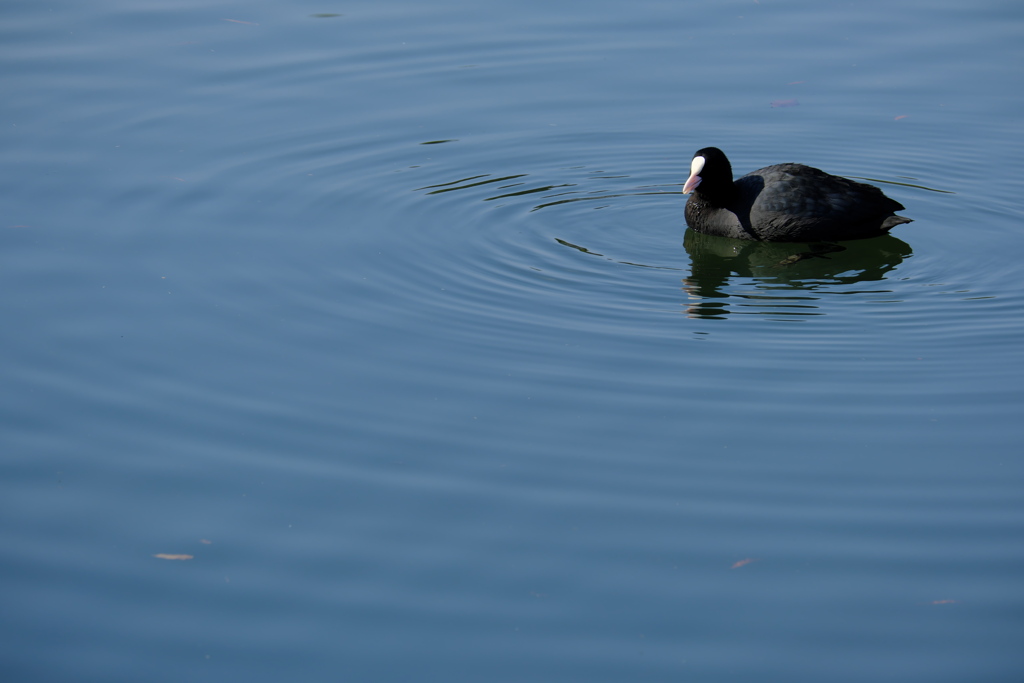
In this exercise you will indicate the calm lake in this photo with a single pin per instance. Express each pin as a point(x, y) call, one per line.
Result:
point(365, 341)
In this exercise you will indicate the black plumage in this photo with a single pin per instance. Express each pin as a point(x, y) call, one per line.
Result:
point(783, 203)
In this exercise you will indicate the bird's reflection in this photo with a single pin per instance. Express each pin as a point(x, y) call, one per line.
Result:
point(784, 275)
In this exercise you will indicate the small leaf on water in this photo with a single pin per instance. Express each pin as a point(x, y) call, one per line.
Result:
point(742, 563)
point(901, 116)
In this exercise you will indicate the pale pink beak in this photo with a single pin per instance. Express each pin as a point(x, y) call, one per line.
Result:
point(696, 166)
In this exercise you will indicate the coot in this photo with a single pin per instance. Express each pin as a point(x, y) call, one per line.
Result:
point(783, 203)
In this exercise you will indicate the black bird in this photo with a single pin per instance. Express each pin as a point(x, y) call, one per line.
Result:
point(783, 203)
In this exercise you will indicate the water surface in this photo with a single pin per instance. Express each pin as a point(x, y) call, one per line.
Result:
point(385, 314)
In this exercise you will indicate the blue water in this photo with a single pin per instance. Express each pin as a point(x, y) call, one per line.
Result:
point(385, 316)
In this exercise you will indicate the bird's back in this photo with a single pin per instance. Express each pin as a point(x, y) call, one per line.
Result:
point(798, 202)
